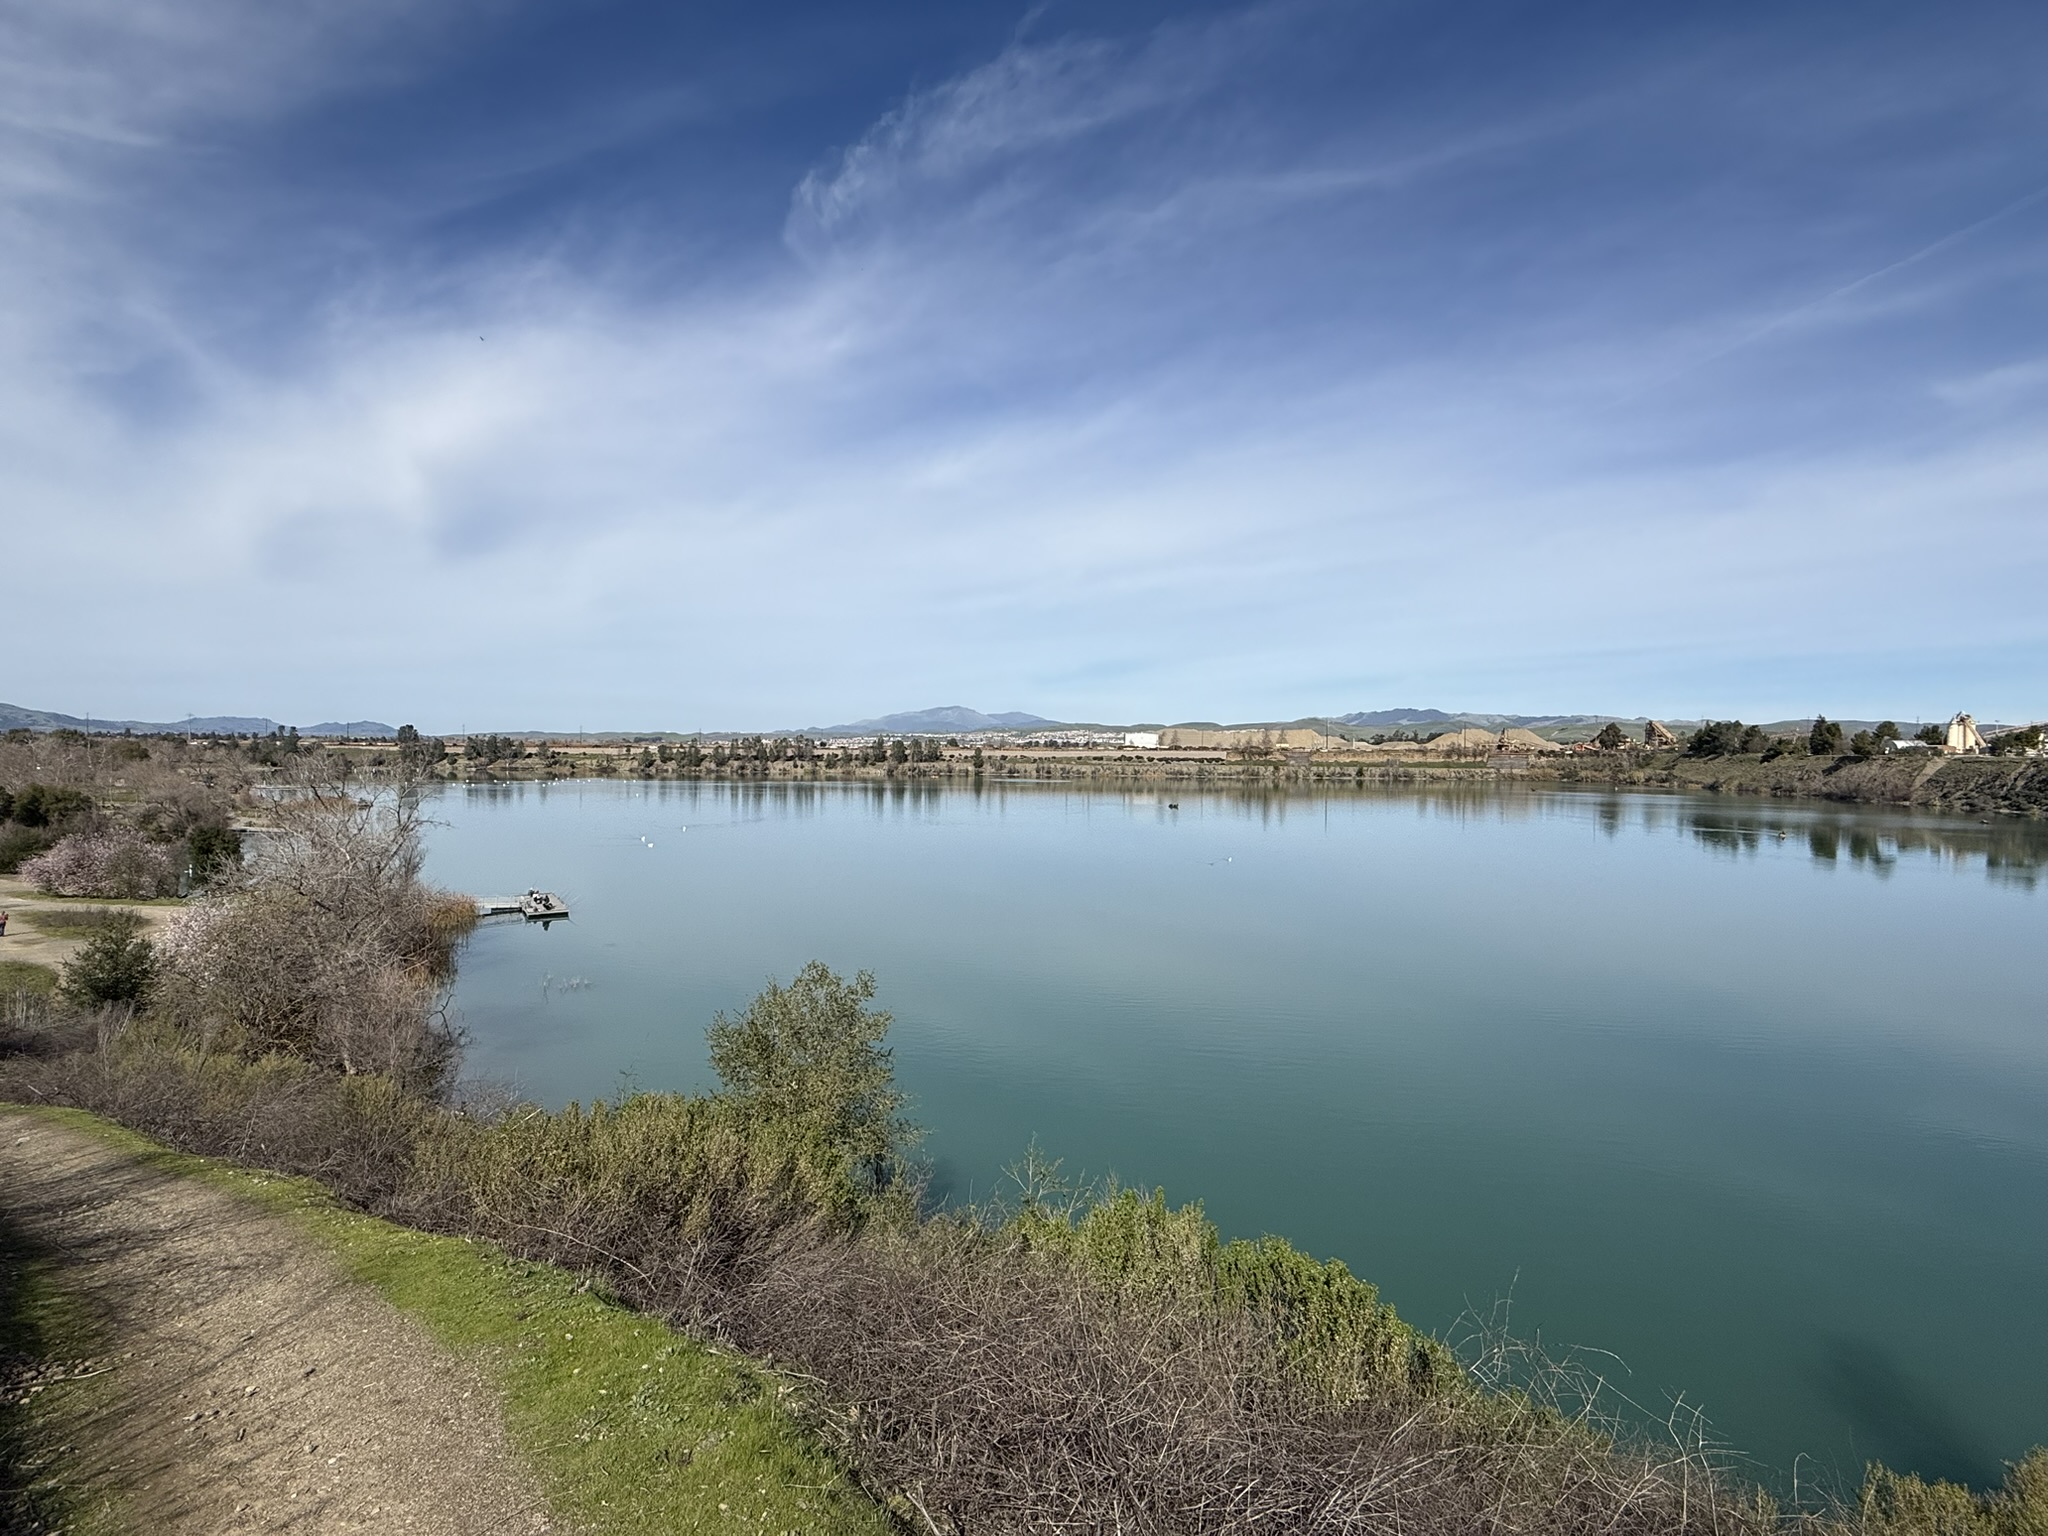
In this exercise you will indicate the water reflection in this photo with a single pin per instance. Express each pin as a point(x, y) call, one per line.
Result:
point(1897, 1418)
point(1876, 839)
point(1871, 839)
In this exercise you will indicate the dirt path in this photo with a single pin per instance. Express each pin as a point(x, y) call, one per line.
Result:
point(25, 938)
point(255, 1388)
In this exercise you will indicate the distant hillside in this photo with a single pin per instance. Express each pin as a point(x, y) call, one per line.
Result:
point(1393, 717)
point(1403, 717)
point(946, 720)
point(15, 717)
point(357, 728)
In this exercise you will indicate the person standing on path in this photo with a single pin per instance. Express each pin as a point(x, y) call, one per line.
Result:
point(3, 922)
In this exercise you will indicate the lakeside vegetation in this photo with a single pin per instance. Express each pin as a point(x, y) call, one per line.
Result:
point(1068, 1359)
point(1722, 757)
point(169, 811)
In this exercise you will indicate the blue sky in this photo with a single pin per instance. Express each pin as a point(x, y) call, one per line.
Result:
point(493, 364)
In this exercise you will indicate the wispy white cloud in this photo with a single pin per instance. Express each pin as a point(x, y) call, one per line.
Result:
point(1069, 401)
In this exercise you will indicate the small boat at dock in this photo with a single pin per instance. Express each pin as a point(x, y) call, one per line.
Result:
point(540, 906)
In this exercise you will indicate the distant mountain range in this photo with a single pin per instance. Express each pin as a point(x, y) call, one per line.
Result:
point(955, 719)
point(14, 717)
point(946, 720)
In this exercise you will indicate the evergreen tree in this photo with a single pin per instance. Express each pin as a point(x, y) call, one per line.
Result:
point(117, 965)
point(212, 848)
point(1718, 738)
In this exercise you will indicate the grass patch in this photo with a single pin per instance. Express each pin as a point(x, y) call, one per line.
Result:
point(630, 1426)
point(27, 976)
point(46, 899)
point(47, 1341)
point(81, 922)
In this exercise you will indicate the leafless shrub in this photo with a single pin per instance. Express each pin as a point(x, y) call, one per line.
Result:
point(329, 947)
point(356, 1135)
point(34, 1025)
point(994, 1389)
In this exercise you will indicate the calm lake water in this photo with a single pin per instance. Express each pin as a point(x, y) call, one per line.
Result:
point(1754, 1097)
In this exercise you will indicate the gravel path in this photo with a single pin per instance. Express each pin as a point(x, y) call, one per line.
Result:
point(254, 1386)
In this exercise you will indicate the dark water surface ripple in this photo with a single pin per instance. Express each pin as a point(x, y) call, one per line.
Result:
point(1754, 1096)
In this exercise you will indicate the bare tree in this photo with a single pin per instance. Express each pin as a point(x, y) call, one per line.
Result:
point(330, 946)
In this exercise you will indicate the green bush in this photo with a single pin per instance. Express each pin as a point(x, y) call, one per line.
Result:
point(1722, 738)
point(810, 1056)
point(19, 844)
point(1335, 1332)
point(1894, 1504)
point(2017, 743)
point(649, 1171)
point(34, 818)
point(212, 850)
point(116, 967)
point(42, 805)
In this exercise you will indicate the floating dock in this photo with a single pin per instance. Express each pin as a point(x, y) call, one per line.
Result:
point(534, 906)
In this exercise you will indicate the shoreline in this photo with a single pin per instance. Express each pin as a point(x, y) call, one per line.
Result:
point(1976, 786)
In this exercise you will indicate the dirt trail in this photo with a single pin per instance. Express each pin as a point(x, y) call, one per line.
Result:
point(25, 938)
point(255, 1387)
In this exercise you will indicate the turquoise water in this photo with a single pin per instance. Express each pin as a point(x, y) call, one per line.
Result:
point(1754, 1098)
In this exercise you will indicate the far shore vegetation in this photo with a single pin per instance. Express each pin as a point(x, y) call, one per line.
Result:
point(94, 817)
point(1066, 1358)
